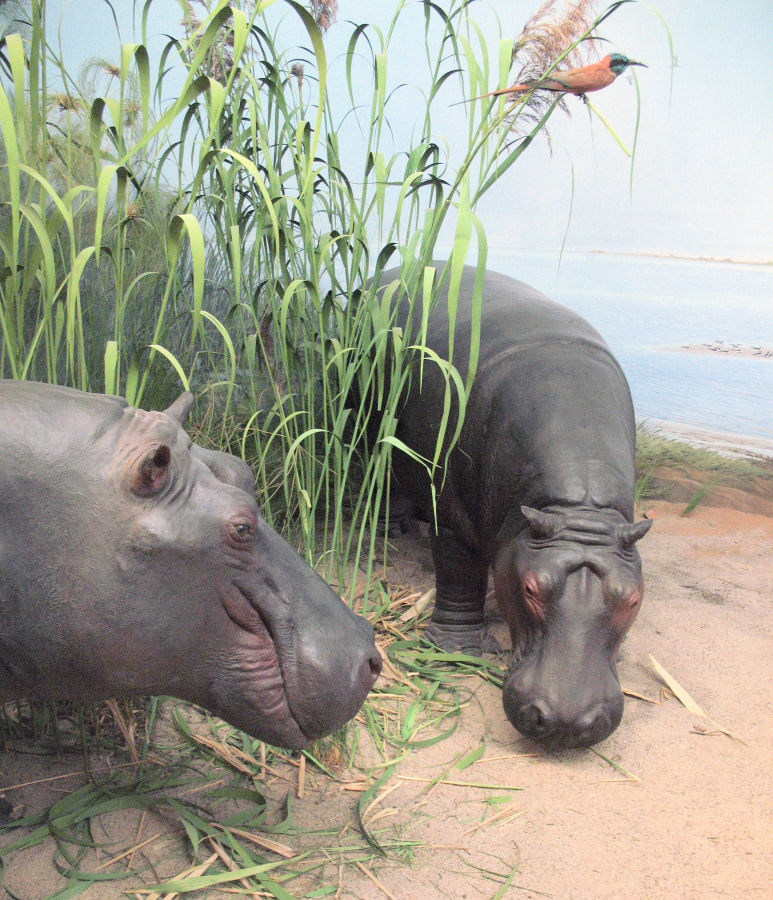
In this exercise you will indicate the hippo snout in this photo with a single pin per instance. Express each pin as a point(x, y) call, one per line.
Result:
point(336, 665)
point(565, 718)
point(537, 720)
point(331, 698)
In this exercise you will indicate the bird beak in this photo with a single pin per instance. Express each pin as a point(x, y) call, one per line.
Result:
point(632, 62)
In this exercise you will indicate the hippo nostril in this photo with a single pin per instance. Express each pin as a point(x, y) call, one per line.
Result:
point(370, 663)
point(593, 719)
point(592, 727)
point(535, 719)
point(376, 664)
point(367, 671)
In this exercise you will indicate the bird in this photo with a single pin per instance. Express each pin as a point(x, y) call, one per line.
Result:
point(579, 82)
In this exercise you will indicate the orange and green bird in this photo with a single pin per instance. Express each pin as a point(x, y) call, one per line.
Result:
point(580, 81)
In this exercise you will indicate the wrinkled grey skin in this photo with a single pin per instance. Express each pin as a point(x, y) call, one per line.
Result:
point(135, 562)
point(539, 487)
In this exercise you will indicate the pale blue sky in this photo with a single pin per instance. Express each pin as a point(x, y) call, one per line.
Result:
point(703, 182)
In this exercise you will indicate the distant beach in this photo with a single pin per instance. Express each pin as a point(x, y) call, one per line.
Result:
point(742, 351)
point(683, 257)
point(723, 442)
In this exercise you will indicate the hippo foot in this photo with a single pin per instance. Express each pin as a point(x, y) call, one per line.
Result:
point(8, 813)
point(473, 639)
point(401, 511)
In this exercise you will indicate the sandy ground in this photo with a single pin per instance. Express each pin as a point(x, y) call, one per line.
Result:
point(694, 820)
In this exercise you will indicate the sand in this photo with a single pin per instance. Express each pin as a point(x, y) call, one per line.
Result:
point(759, 351)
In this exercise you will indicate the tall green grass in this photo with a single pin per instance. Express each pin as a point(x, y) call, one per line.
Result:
point(202, 217)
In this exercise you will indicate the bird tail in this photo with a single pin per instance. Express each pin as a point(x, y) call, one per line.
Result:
point(514, 89)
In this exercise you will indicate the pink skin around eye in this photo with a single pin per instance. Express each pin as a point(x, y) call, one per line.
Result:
point(532, 597)
point(625, 611)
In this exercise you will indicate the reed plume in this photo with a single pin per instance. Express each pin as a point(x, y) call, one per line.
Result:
point(324, 12)
point(552, 33)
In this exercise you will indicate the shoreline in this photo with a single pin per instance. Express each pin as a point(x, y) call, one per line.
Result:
point(737, 351)
point(725, 443)
point(646, 254)
point(684, 257)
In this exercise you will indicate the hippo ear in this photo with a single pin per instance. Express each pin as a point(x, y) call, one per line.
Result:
point(151, 473)
point(629, 534)
point(180, 408)
point(541, 524)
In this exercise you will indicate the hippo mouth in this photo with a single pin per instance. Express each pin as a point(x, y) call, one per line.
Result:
point(266, 710)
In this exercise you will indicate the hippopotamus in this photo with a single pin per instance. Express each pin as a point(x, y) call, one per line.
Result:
point(539, 487)
point(133, 561)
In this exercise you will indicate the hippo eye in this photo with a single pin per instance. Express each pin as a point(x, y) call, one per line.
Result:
point(625, 609)
point(633, 600)
point(532, 597)
point(241, 531)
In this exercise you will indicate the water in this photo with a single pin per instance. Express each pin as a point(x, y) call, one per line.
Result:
point(642, 304)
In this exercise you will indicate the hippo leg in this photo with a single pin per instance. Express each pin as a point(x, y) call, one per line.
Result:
point(6, 812)
point(461, 579)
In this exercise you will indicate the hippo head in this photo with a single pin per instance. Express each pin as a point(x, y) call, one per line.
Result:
point(137, 562)
point(569, 586)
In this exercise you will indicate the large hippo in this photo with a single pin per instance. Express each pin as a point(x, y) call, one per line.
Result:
point(540, 486)
point(133, 561)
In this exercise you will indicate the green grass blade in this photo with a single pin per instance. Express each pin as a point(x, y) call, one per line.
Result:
point(175, 365)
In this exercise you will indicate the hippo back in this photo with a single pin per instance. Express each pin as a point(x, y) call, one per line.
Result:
point(549, 417)
point(514, 315)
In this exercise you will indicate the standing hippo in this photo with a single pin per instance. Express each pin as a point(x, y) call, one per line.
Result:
point(133, 561)
point(540, 486)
